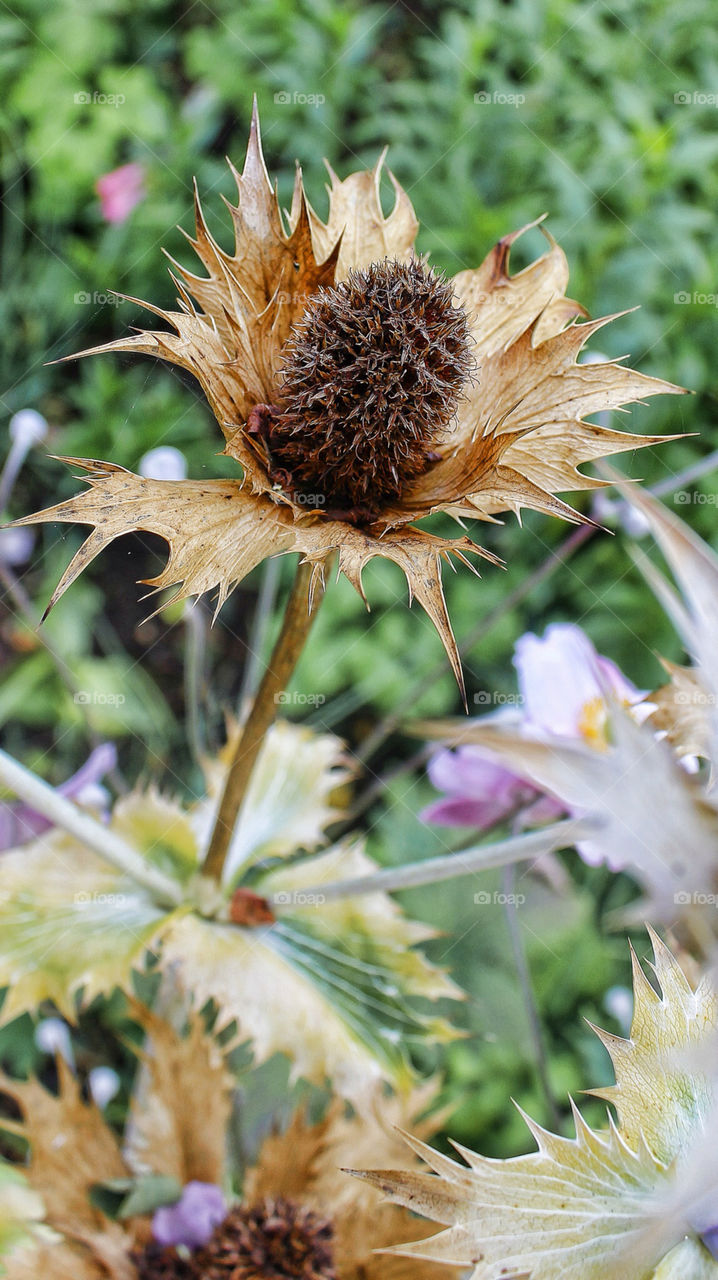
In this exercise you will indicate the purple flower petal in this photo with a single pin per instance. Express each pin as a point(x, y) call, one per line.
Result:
point(190, 1221)
point(19, 823)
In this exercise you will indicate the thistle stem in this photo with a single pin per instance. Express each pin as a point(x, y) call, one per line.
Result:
point(529, 845)
point(102, 840)
point(298, 618)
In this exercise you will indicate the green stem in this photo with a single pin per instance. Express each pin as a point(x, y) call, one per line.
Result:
point(529, 845)
point(300, 612)
point(527, 992)
point(102, 840)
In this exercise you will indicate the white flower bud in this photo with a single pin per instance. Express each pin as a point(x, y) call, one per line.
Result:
point(163, 463)
point(28, 426)
point(104, 1085)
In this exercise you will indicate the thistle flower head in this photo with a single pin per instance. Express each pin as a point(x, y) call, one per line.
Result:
point(269, 1241)
point(371, 377)
point(275, 1239)
point(334, 362)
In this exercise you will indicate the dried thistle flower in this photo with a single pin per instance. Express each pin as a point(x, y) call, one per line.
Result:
point(360, 392)
point(298, 1216)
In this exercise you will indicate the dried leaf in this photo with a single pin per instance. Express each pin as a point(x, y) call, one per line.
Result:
point(357, 221)
point(216, 531)
point(71, 1149)
point(181, 1105)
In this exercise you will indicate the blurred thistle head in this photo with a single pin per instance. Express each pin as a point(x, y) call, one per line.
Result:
point(358, 392)
point(299, 1216)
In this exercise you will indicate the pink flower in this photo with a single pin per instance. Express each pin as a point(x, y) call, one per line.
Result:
point(120, 191)
point(480, 793)
point(563, 683)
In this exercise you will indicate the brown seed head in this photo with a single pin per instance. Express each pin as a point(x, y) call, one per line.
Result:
point(272, 1240)
point(371, 378)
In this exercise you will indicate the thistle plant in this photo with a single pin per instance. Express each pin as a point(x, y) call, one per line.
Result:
point(359, 391)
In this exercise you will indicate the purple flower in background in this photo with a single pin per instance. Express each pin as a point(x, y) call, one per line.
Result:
point(190, 1221)
point(563, 684)
point(480, 793)
point(19, 823)
point(120, 191)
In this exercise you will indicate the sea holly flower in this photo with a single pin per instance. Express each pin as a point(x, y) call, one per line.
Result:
point(598, 1204)
point(359, 391)
point(296, 1216)
point(336, 985)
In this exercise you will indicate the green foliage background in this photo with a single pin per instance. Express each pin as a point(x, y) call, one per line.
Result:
point(603, 116)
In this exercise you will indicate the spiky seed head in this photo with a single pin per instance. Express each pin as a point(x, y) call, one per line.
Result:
point(370, 379)
point(163, 1262)
point(274, 1239)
